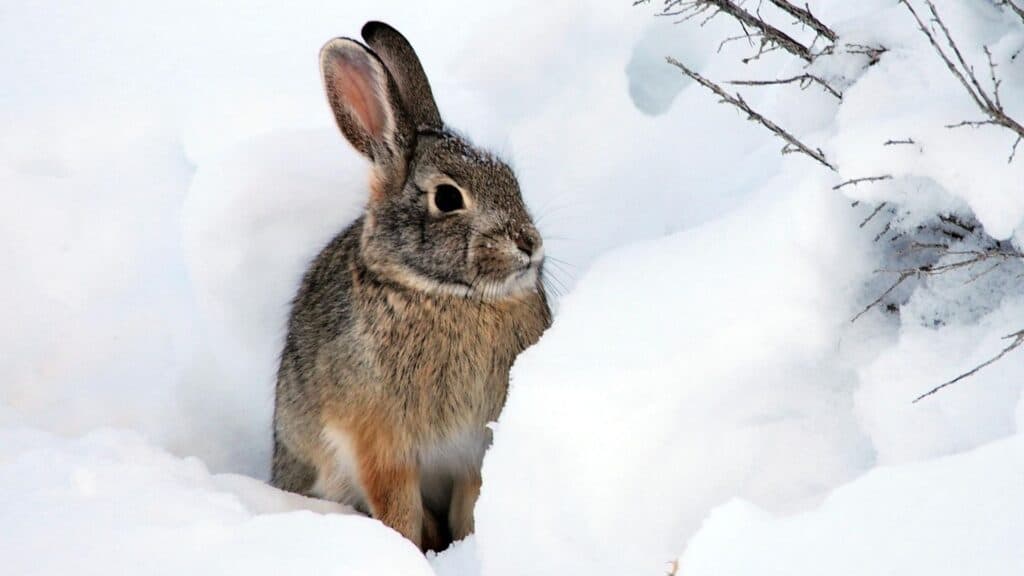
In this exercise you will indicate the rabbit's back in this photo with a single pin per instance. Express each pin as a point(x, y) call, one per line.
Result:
point(320, 313)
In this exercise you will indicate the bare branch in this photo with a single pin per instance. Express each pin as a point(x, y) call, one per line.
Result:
point(895, 142)
point(765, 48)
point(903, 276)
point(769, 34)
point(805, 80)
point(856, 181)
point(746, 35)
point(792, 144)
point(804, 15)
point(1013, 6)
point(1018, 339)
point(874, 53)
point(885, 230)
point(971, 123)
point(977, 257)
point(941, 258)
point(996, 82)
point(975, 277)
point(990, 104)
point(873, 214)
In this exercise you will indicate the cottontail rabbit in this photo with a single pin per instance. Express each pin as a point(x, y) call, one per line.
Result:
point(404, 329)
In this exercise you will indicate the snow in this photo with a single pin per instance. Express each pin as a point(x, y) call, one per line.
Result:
point(958, 418)
point(109, 502)
point(746, 399)
point(703, 395)
point(924, 518)
point(886, 103)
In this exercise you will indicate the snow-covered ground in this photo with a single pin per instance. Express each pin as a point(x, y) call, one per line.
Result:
point(702, 398)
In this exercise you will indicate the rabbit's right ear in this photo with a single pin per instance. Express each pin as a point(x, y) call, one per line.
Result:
point(403, 63)
point(364, 100)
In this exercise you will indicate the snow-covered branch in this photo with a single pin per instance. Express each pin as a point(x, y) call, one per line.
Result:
point(1017, 9)
point(792, 143)
point(771, 36)
point(804, 15)
point(987, 100)
point(804, 81)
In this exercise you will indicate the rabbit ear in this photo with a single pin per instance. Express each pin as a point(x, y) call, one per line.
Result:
point(365, 102)
point(401, 60)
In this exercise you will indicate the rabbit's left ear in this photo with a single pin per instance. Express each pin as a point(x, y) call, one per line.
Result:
point(366, 104)
point(401, 60)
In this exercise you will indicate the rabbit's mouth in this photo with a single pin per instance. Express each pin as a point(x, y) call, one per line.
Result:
point(521, 281)
point(514, 280)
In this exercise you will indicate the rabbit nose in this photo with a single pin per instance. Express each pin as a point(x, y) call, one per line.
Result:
point(525, 244)
point(526, 241)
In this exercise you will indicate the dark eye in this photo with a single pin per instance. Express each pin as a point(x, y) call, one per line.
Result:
point(447, 198)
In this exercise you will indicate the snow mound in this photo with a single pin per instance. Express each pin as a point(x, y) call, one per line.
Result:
point(663, 388)
point(109, 503)
point(928, 518)
point(162, 198)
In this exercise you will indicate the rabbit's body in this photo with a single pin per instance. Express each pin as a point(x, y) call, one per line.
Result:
point(404, 329)
point(433, 401)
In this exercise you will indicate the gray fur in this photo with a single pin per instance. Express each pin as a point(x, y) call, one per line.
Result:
point(405, 326)
point(399, 57)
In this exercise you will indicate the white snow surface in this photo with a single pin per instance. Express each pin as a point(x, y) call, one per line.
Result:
point(882, 524)
point(167, 173)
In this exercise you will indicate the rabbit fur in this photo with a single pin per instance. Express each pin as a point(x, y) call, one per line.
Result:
point(405, 326)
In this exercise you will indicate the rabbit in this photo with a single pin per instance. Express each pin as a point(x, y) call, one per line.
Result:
point(405, 326)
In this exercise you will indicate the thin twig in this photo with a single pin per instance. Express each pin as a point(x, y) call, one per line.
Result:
point(1018, 339)
point(989, 104)
point(804, 15)
point(856, 181)
point(996, 82)
point(885, 230)
point(975, 277)
point(805, 80)
point(873, 214)
point(1013, 6)
point(976, 257)
point(971, 123)
point(754, 116)
point(745, 36)
point(874, 53)
point(895, 142)
point(903, 276)
point(769, 34)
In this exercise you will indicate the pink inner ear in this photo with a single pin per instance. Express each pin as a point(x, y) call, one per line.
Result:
point(358, 87)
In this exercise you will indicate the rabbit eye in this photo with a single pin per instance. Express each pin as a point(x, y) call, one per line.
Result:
point(447, 198)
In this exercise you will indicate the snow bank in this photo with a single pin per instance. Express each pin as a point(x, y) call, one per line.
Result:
point(167, 173)
point(962, 416)
point(721, 361)
point(108, 503)
point(664, 386)
point(961, 514)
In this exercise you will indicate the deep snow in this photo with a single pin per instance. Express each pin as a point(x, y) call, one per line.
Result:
point(167, 173)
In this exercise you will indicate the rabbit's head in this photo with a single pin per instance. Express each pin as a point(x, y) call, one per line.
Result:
point(443, 215)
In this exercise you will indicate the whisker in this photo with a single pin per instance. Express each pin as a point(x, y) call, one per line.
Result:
point(566, 262)
point(557, 269)
point(561, 285)
point(549, 210)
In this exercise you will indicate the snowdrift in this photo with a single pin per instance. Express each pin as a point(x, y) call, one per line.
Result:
point(702, 396)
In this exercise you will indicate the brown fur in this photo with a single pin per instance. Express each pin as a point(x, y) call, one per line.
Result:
point(404, 329)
